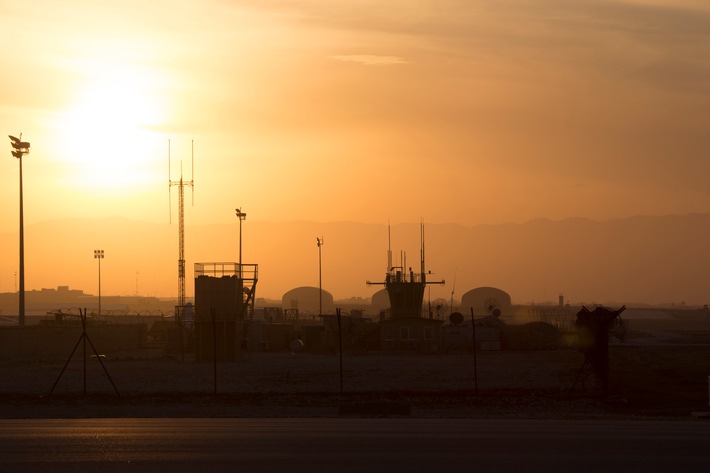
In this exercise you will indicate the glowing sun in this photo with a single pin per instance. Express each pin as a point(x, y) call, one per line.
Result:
point(107, 136)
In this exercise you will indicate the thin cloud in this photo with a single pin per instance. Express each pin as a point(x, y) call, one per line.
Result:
point(371, 60)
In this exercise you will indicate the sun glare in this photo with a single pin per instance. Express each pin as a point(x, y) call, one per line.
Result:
point(107, 136)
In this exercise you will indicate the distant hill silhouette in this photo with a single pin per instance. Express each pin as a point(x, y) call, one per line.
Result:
point(652, 259)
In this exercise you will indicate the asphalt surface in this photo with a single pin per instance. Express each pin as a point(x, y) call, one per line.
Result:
point(353, 444)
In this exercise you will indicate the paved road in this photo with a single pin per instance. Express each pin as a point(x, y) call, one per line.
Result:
point(350, 445)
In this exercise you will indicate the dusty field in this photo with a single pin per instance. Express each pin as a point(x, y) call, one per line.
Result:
point(647, 380)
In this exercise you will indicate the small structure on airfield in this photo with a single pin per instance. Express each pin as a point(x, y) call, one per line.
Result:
point(307, 300)
point(405, 328)
point(224, 306)
point(487, 301)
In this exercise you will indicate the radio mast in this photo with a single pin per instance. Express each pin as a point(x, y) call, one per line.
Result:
point(181, 219)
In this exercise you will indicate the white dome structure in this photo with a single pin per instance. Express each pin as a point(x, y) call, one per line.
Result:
point(308, 299)
point(486, 301)
point(380, 300)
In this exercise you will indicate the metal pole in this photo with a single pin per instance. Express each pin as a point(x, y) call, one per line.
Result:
point(178, 314)
point(99, 255)
point(99, 287)
point(214, 347)
point(20, 149)
point(241, 216)
point(340, 338)
point(475, 365)
point(320, 278)
point(21, 318)
point(83, 337)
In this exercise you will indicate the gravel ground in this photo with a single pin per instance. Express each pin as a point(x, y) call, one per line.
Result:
point(500, 385)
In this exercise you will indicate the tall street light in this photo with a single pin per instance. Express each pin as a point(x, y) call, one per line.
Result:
point(19, 149)
point(320, 278)
point(99, 255)
point(241, 216)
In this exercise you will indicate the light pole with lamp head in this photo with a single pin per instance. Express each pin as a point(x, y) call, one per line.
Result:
point(21, 148)
point(320, 278)
point(99, 255)
point(241, 216)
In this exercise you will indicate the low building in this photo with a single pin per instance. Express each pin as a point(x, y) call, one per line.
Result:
point(411, 333)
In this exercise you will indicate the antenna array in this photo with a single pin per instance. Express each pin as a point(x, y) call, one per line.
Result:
point(181, 219)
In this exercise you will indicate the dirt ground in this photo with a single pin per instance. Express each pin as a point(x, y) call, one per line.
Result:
point(667, 380)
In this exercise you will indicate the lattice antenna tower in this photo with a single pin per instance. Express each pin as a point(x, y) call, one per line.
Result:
point(181, 183)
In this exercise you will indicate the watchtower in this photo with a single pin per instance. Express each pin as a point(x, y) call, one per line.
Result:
point(224, 306)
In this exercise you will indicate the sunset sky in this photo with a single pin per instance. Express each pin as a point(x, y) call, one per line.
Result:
point(458, 111)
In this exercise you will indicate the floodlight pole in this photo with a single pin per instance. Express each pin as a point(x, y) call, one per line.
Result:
point(241, 216)
point(21, 148)
point(99, 255)
point(21, 317)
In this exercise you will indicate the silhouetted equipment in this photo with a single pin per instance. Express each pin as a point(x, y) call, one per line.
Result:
point(406, 289)
point(456, 318)
point(18, 144)
point(20, 148)
point(594, 328)
point(84, 337)
point(492, 307)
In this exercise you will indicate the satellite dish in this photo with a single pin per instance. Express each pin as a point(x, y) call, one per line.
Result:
point(456, 318)
point(295, 346)
point(492, 307)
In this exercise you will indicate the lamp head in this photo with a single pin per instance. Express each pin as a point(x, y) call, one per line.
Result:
point(18, 144)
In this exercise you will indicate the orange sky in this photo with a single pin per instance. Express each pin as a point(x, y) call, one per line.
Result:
point(326, 110)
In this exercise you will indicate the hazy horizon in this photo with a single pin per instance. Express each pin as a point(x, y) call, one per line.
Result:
point(645, 259)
